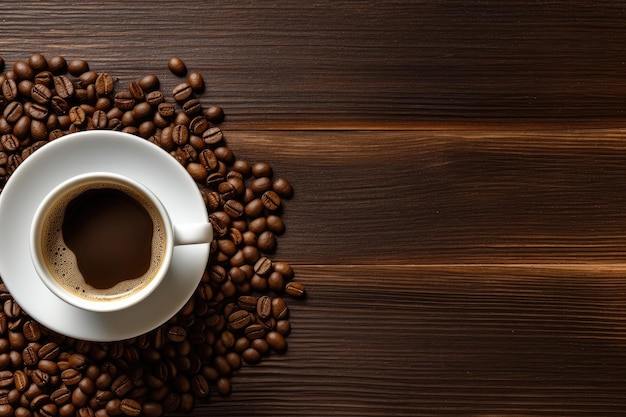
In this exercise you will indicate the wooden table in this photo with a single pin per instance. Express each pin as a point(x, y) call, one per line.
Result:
point(460, 175)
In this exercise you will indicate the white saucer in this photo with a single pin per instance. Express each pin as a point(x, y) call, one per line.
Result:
point(77, 154)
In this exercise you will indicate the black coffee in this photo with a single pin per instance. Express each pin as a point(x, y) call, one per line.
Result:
point(111, 235)
point(103, 242)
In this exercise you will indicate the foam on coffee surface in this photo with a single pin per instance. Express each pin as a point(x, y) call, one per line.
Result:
point(62, 262)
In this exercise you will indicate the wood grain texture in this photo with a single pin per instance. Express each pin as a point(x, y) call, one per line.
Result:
point(460, 187)
point(446, 340)
point(449, 196)
point(366, 64)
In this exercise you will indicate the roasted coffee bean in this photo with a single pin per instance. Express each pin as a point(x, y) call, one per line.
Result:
point(264, 307)
point(276, 341)
point(295, 289)
point(40, 93)
point(180, 135)
point(266, 241)
point(71, 377)
point(9, 143)
point(44, 78)
point(63, 87)
point(181, 92)
point(196, 81)
point(279, 309)
point(124, 100)
point(24, 88)
point(254, 331)
point(49, 367)
point(122, 385)
point(13, 111)
point(37, 62)
point(49, 351)
point(177, 66)
point(38, 112)
point(212, 136)
point(142, 110)
point(23, 70)
point(239, 319)
point(263, 266)
point(104, 84)
point(130, 407)
point(77, 115)
point(214, 114)
point(7, 410)
point(9, 89)
point(20, 380)
point(61, 396)
point(152, 409)
point(233, 208)
point(77, 67)
point(22, 127)
point(275, 224)
point(149, 82)
point(271, 200)
point(39, 377)
point(79, 398)
point(198, 125)
point(154, 98)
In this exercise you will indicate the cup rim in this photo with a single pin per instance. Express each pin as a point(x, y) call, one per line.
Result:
point(36, 242)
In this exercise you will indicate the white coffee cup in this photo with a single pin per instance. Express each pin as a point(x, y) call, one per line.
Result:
point(52, 257)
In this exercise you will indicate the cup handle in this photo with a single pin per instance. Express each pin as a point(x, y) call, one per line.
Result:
point(192, 233)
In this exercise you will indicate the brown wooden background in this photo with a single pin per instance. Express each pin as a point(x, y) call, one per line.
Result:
point(460, 174)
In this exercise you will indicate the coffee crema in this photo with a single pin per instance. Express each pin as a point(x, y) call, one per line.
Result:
point(103, 241)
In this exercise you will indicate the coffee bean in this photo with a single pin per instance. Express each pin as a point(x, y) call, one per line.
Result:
point(214, 114)
point(263, 266)
point(142, 110)
point(47, 366)
point(9, 142)
point(271, 200)
point(180, 134)
point(264, 307)
point(212, 136)
point(7, 410)
point(40, 93)
point(196, 81)
point(198, 125)
point(254, 331)
point(182, 92)
point(295, 289)
point(61, 396)
point(23, 70)
point(152, 409)
point(77, 115)
point(149, 82)
point(9, 89)
point(177, 66)
point(266, 241)
point(104, 84)
point(39, 377)
point(63, 87)
point(20, 380)
point(77, 67)
point(124, 100)
point(122, 385)
point(71, 377)
point(239, 319)
point(176, 334)
point(279, 309)
point(37, 62)
point(130, 407)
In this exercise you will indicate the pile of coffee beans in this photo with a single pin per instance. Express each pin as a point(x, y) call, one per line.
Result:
point(237, 315)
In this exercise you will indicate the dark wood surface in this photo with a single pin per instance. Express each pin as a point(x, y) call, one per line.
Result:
point(460, 174)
